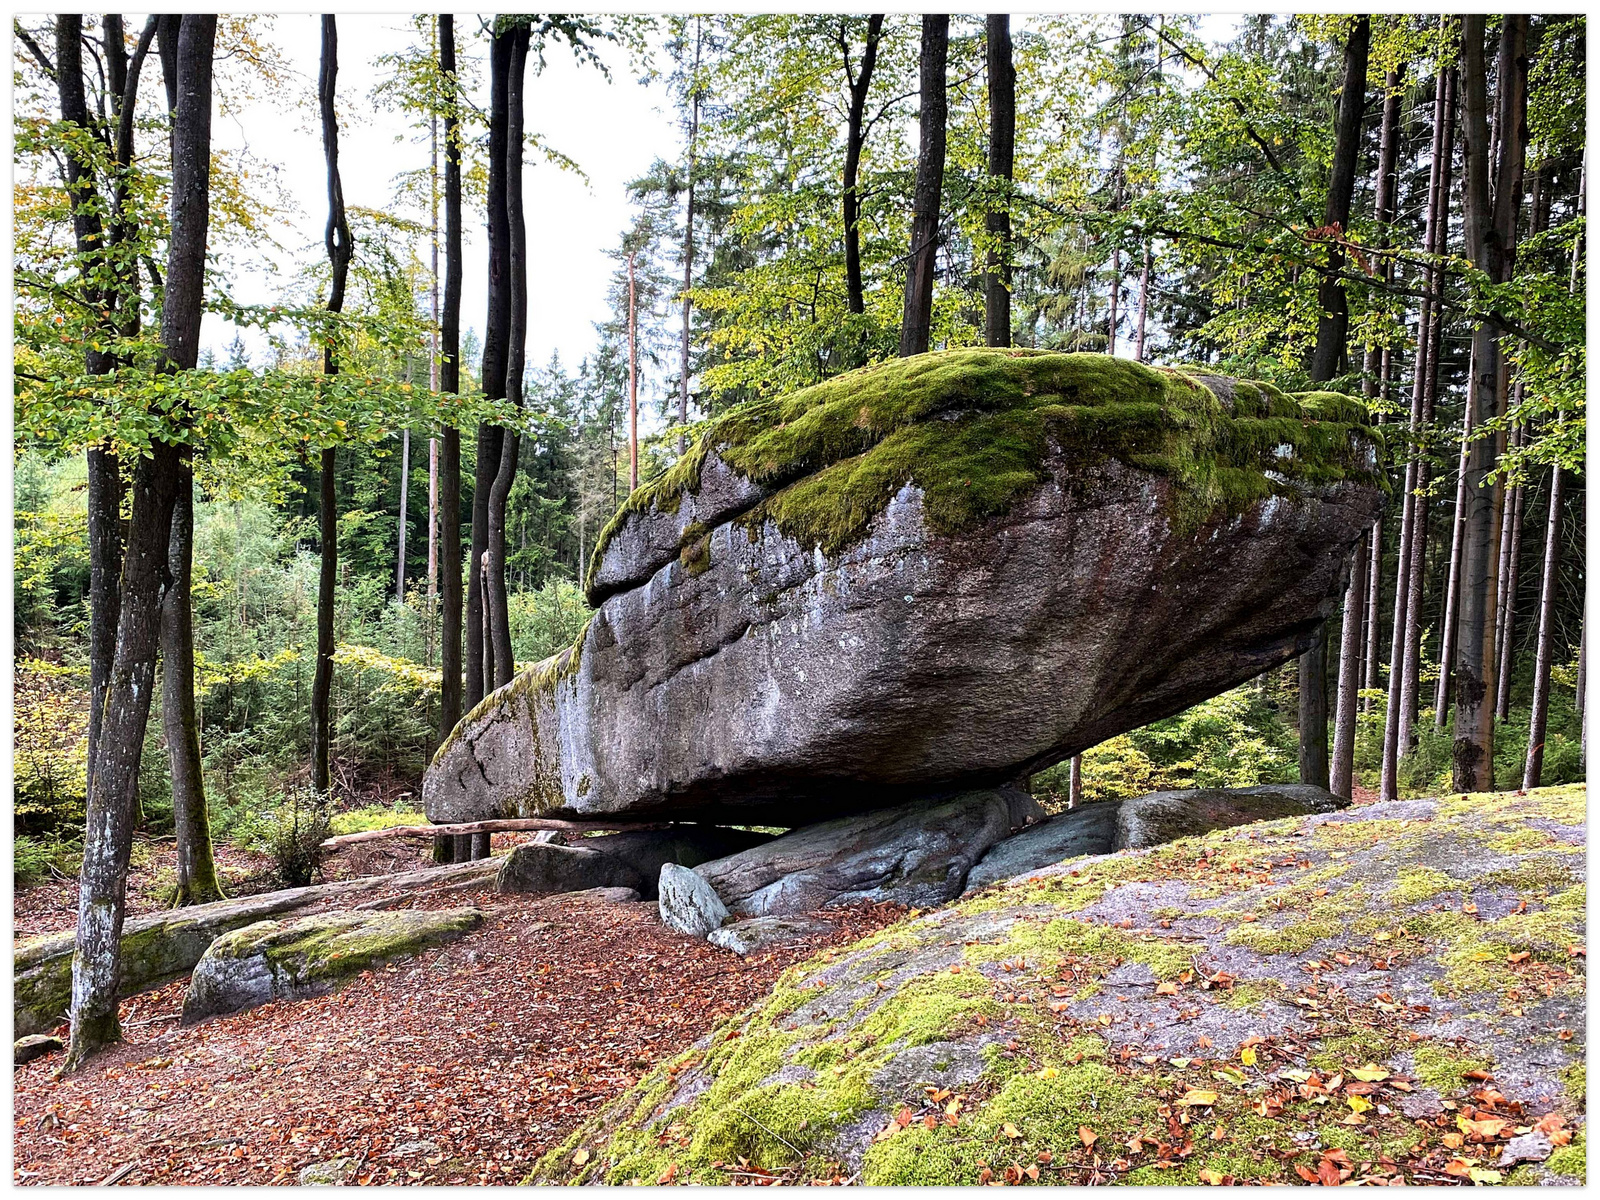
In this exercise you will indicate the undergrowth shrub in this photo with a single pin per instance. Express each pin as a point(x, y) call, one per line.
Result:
point(291, 833)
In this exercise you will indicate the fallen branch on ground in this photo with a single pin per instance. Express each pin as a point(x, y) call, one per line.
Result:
point(499, 825)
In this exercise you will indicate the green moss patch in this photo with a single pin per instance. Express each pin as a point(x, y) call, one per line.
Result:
point(972, 429)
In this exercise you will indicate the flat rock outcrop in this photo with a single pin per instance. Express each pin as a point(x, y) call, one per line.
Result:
point(914, 854)
point(1261, 1003)
point(928, 576)
point(292, 960)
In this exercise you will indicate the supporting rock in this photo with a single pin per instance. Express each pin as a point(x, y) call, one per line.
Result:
point(688, 903)
point(916, 854)
point(1088, 830)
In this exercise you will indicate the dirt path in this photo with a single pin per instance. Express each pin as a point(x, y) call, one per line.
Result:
point(461, 1066)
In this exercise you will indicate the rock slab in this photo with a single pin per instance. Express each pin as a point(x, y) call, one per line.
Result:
point(1159, 817)
point(35, 1045)
point(933, 575)
point(915, 854)
point(1089, 829)
point(292, 960)
point(748, 936)
point(632, 859)
point(688, 903)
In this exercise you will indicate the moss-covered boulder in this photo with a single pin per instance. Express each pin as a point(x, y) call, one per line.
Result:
point(927, 576)
point(291, 960)
point(1388, 992)
point(160, 947)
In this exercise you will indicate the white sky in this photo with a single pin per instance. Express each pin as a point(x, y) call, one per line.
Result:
point(612, 130)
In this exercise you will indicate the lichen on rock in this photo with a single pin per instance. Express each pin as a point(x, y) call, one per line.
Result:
point(1058, 1022)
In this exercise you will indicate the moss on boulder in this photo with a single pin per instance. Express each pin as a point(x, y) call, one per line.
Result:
point(972, 429)
point(1058, 1024)
point(291, 960)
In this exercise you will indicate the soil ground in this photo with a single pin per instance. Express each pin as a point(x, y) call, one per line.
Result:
point(461, 1066)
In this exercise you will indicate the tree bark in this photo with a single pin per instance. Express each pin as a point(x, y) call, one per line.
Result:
point(1491, 203)
point(502, 656)
point(1002, 158)
point(336, 237)
point(1341, 770)
point(405, 496)
point(1332, 325)
point(197, 870)
point(688, 245)
point(1075, 781)
point(916, 326)
point(450, 381)
point(102, 882)
point(855, 139)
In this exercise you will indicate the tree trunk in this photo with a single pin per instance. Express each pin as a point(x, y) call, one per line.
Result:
point(502, 656)
point(1075, 781)
point(688, 246)
point(1428, 384)
point(1549, 581)
point(197, 871)
point(1002, 155)
point(917, 325)
point(1144, 304)
point(633, 380)
point(1375, 370)
point(1314, 709)
point(1510, 571)
point(1452, 593)
point(105, 473)
point(1333, 319)
point(102, 882)
point(450, 381)
point(1342, 769)
point(1332, 324)
point(340, 248)
point(855, 139)
point(405, 496)
point(496, 348)
point(1491, 231)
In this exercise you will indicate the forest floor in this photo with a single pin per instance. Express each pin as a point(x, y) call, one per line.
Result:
point(460, 1066)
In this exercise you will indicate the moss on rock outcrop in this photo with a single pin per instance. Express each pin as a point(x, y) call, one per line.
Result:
point(1105, 1018)
point(972, 429)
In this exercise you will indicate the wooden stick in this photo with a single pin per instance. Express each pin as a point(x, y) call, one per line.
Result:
point(502, 825)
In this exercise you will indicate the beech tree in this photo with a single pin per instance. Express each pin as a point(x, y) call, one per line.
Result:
point(917, 324)
point(1333, 321)
point(1002, 161)
point(1491, 194)
point(108, 827)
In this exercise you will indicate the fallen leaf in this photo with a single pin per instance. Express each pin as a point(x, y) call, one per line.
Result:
point(1248, 1056)
point(1087, 1136)
point(1011, 1131)
point(1166, 989)
point(581, 1157)
point(1371, 1073)
point(1199, 1098)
